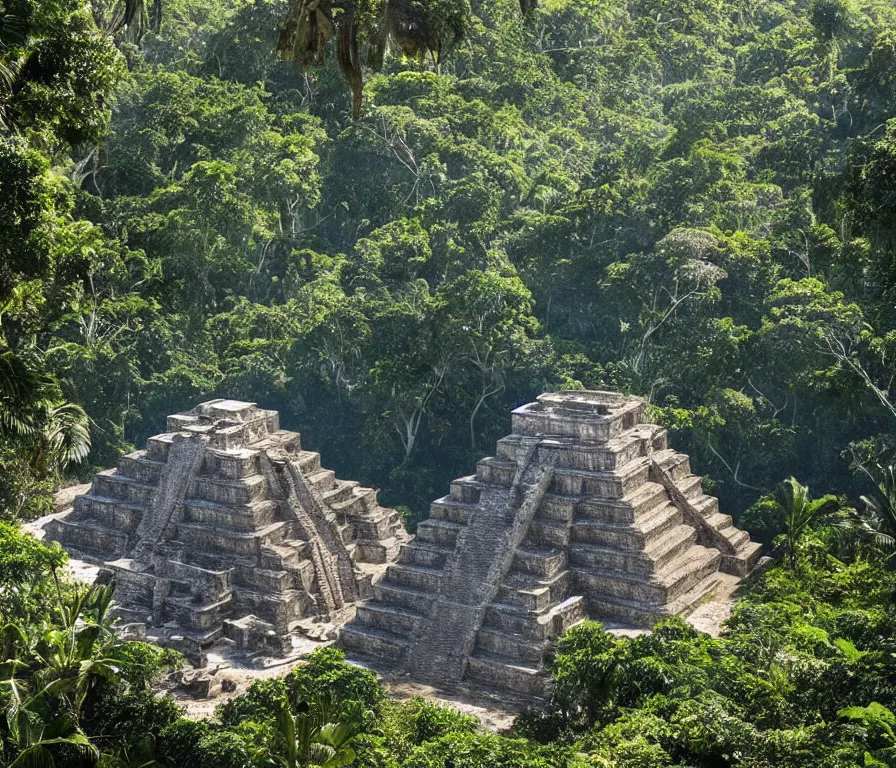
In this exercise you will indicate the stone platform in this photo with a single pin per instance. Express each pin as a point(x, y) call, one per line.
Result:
point(584, 512)
point(224, 528)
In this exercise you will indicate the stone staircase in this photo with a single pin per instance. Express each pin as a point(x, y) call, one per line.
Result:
point(618, 530)
point(220, 547)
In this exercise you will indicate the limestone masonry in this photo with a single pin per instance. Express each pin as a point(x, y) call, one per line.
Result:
point(225, 527)
point(585, 512)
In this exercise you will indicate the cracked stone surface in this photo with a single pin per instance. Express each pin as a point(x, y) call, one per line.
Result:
point(225, 529)
point(584, 512)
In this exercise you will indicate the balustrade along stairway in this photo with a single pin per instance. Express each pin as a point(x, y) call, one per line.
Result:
point(585, 512)
point(224, 529)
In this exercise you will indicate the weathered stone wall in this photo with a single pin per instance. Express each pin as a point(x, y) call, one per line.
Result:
point(227, 529)
point(584, 511)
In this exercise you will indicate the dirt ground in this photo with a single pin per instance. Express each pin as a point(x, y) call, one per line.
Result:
point(229, 669)
point(242, 672)
point(491, 714)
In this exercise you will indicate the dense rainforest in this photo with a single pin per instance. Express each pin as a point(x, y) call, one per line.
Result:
point(394, 222)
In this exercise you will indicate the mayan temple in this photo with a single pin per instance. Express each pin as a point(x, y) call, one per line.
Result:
point(225, 527)
point(585, 512)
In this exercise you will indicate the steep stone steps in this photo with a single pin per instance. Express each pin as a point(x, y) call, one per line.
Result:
point(646, 561)
point(241, 517)
point(442, 533)
point(639, 503)
point(474, 573)
point(199, 498)
point(107, 512)
point(229, 491)
point(583, 500)
point(397, 620)
point(415, 600)
point(659, 522)
point(112, 484)
point(138, 465)
point(426, 555)
point(417, 577)
point(492, 671)
point(370, 642)
point(453, 511)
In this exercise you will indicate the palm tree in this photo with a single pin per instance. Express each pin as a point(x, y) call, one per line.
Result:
point(411, 28)
point(800, 511)
point(13, 34)
point(23, 391)
point(46, 673)
point(63, 438)
point(312, 738)
point(879, 520)
point(33, 726)
point(52, 433)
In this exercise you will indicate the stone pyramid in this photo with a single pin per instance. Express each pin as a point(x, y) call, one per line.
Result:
point(224, 526)
point(585, 512)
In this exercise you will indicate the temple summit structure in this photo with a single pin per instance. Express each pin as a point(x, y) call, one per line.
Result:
point(585, 512)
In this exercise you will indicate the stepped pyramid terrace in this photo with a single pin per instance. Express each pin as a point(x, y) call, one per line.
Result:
point(224, 528)
point(585, 512)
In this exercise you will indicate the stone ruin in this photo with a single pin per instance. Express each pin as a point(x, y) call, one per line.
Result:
point(585, 512)
point(225, 528)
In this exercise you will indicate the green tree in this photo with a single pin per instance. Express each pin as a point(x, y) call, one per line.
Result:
point(800, 511)
point(314, 737)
